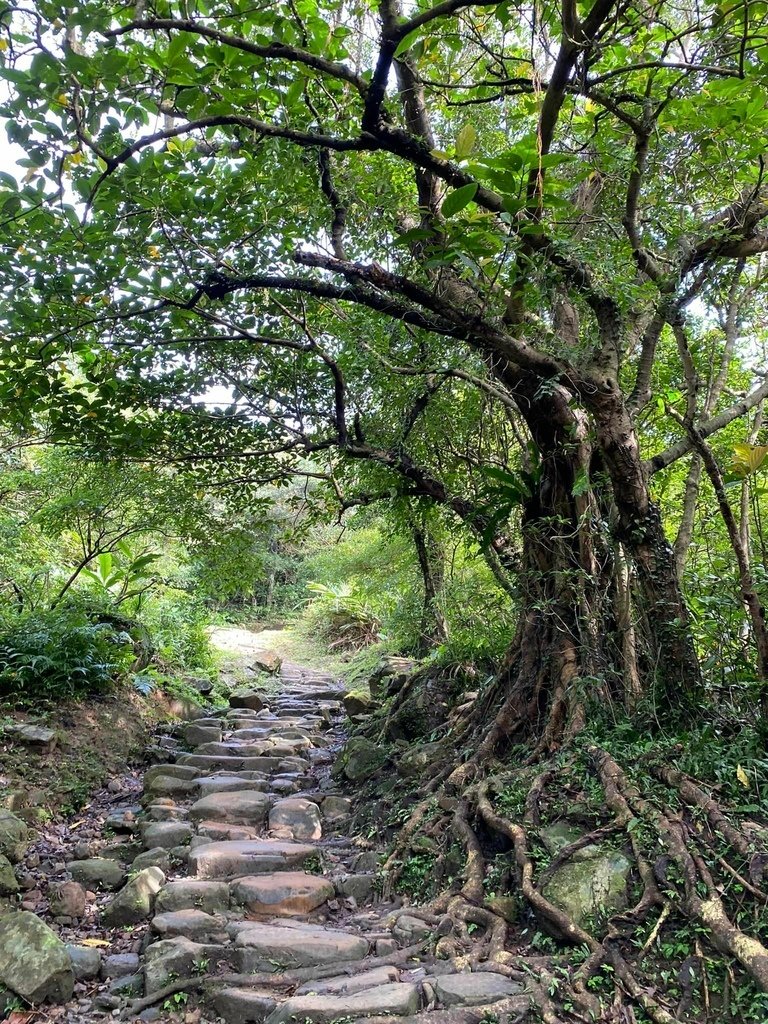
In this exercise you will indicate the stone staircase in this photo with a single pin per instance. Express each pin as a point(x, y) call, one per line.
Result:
point(269, 885)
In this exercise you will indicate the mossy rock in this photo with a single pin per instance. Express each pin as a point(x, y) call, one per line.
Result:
point(14, 836)
point(9, 885)
point(594, 886)
point(34, 962)
point(361, 759)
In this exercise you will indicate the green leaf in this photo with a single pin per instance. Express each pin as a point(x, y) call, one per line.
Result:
point(581, 483)
point(455, 201)
point(465, 141)
point(406, 43)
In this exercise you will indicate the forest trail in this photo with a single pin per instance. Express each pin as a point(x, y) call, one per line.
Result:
point(224, 884)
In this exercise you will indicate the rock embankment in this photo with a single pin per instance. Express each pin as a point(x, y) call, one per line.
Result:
point(245, 894)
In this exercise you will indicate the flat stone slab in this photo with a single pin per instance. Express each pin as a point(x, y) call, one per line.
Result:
point(242, 1005)
point(220, 832)
point(234, 749)
point(213, 762)
point(474, 989)
point(166, 834)
point(399, 1000)
point(249, 857)
point(209, 784)
point(270, 947)
point(193, 894)
point(244, 807)
point(174, 771)
point(284, 893)
point(191, 923)
point(349, 983)
point(170, 785)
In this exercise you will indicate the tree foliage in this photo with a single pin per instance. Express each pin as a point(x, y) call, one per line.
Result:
point(501, 260)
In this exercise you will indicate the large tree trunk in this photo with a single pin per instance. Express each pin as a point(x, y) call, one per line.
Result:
point(572, 642)
point(565, 641)
point(673, 668)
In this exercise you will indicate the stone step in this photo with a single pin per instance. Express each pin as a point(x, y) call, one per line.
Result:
point(250, 857)
point(219, 832)
point(210, 763)
point(242, 1005)
point(243, 807)
point(209, 784)
point(166, 834)
point(282, 893)
point(474, 989)
point(349, 982)
point(396, 999)
point(275, 947)
point(193, 894)
point(192, 924)
point(299, 818)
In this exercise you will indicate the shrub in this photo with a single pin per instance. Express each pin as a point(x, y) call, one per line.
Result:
point(50, 655)
point(343, 617)
point(177, 623)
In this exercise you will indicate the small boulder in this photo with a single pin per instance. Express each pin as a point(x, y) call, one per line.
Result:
point(361, 759)
point(97, 872)
point(357, 702)
point(593, 883)
point(119, 965)
point(299, 818)
point(195, 734)
point(86, 962)
point(414, 761)
point(336, 807)
point(36, 736)
point(360, 887)
point(189, 894)
point(505, 906)
point(180, 958)
point(268, 661)
point(408, 930)
point(242, 1005)
point(134, 902)
point(154, 858)
point(247, 699)
point(14, 836)
point(34, 962)
point(474, 989)
point(67, 899)
point(166, 834)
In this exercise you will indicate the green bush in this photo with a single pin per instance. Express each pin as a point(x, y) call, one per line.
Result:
point(46, 656)
point(177, 622)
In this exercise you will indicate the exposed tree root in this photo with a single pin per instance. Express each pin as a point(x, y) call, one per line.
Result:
point(695, 796)
point(708, 909)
